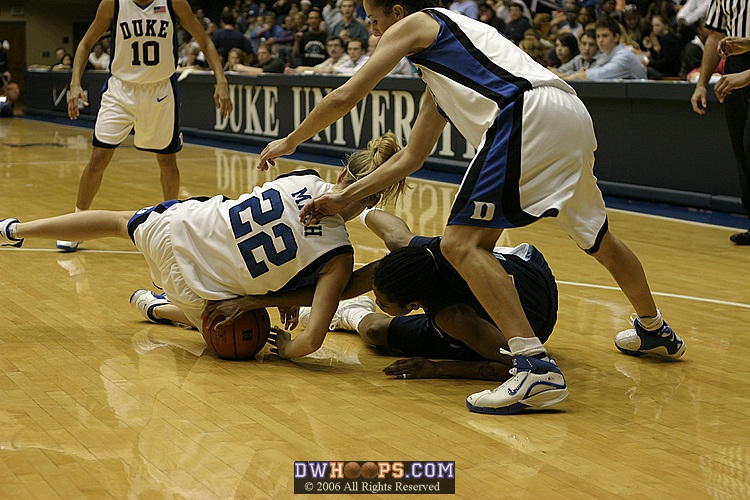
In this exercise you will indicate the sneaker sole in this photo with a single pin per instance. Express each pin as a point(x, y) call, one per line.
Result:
point(541, 400)
point(67, 249)
point(660, 351)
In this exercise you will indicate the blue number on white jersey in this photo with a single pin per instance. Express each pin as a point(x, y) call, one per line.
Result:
point(262, 239)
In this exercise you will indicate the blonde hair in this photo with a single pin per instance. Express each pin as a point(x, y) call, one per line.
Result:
point(363, 162)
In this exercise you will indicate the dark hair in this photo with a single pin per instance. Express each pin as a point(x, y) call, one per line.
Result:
point(609, 23)
point(363, 42)
point(411, 6)
point(569, 40)
point(589, 33)
point(227, 18)
point(406, 275)
point(334, 37)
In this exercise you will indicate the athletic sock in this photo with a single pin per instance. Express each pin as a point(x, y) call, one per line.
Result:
point(651, 324)
point(12, 230)
point(522, 346)
point(354, 316)
point(361, 217)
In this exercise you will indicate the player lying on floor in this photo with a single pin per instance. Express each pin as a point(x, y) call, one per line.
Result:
point(455, 326)
point(214, 249)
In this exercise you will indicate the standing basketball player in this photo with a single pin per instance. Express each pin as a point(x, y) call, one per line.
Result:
point(141, 90)
point(535, 153)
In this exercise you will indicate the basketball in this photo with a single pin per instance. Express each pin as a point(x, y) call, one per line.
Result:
point(352, 470)
point(242, 339)
point(369, 470)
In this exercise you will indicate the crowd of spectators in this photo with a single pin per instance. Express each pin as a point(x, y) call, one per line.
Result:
point(576, 39)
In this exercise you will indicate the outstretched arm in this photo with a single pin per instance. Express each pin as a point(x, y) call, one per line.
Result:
point(426, 132)
point(407, 36)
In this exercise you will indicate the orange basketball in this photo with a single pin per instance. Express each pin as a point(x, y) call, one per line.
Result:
point(352, 470)
point(242, 339)
point(369, 470)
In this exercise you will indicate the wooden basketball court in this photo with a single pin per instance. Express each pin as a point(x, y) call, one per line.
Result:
point(95, 402)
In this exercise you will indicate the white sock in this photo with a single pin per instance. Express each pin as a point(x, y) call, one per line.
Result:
point(12, 230)
point(522, 346)
point(361, 217)
point(80, 210)
point(651, 323)
point(354, 317)
point(304, 315)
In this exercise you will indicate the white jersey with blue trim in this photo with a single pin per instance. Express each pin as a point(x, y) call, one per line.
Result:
point(473, 71)
point(144, 41)
point(255, 244)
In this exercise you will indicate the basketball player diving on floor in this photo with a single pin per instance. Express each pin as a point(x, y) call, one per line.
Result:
point(218, 249)
point(454, 326)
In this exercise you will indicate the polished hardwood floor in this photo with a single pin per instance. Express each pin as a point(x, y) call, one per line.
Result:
point(95, 402)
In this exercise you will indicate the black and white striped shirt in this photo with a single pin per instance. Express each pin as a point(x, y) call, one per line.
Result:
point(731, 17)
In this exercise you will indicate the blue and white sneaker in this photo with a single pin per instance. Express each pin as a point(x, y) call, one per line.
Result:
point(535, 383)
point(638, 341)
point(6, 240)
point(145, 301)
point(67, 246)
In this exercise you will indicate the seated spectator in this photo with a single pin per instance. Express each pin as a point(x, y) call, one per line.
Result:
point(267, 63)
point(349, 28)
point(336, 56)
point(588, 57)
point(692, 53)
point(518, 23)
point(566, 48)
point(355, 49)
point(191, 60)
point(283, 45)
point(468, 8)
point(310, 45)
point(534, 47)
point(663, 50)
point(487, 16)
point(620, 62)
point(9, 93)
point(586, 18)
point(268, 31)
point(567, 19)
point(65, 64)
point(331, 13)
point(502, 10)
point(635, 26)
point(235, 57)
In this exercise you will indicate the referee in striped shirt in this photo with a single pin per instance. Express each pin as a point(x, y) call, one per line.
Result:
point(729, 22)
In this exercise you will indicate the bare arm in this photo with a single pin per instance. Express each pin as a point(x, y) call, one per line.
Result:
point(708, 66)
point(391, 229)
point(407, 36)
point(102, 22)
point(427, 130)
point(193, 26)
point(331, 282)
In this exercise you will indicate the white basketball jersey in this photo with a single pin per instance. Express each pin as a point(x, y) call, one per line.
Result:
point(144, 43)
point(473, 72)
point(255, 244)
